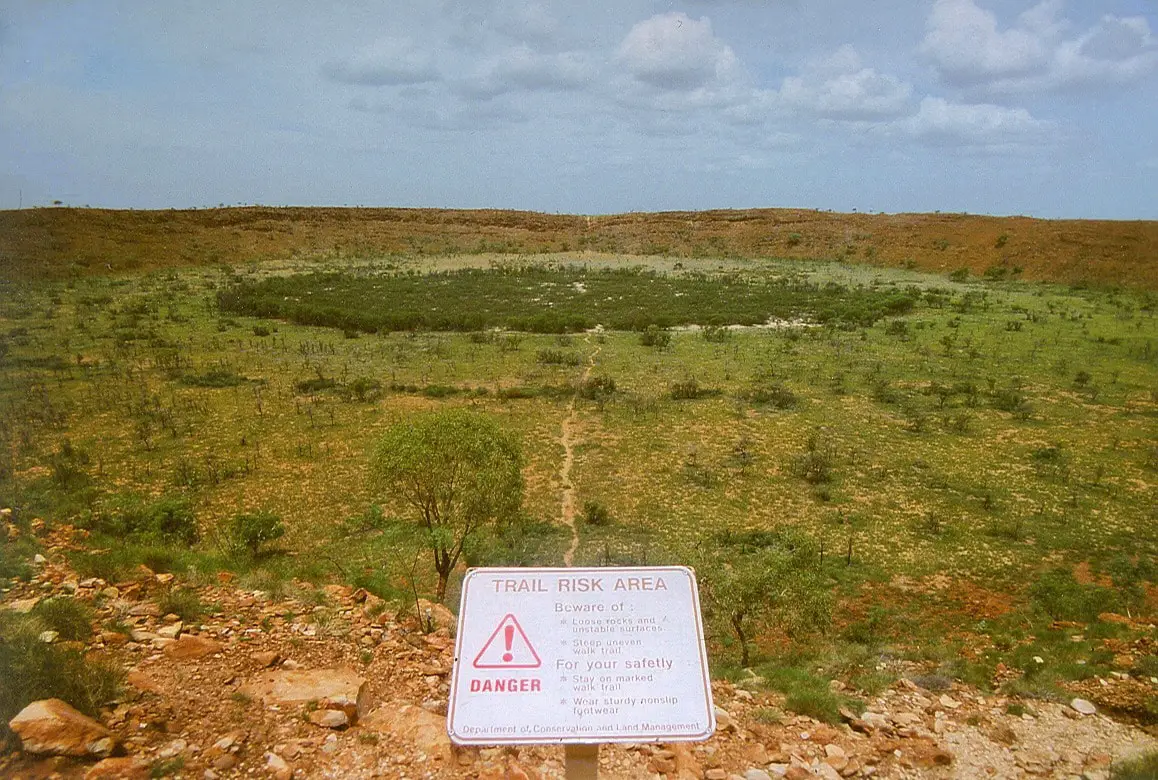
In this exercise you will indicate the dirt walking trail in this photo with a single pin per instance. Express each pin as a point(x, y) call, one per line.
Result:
point(567, 439)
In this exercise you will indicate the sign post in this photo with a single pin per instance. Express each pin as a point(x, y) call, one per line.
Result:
point(580, 657)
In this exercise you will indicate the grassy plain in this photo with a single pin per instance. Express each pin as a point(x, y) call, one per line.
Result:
point(977, 465)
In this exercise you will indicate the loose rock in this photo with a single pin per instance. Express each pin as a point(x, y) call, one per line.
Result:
point(52, 727)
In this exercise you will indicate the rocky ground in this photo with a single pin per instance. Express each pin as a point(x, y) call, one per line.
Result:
point(332, 682)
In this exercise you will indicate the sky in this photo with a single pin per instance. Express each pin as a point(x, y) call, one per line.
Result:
point(1047, 109)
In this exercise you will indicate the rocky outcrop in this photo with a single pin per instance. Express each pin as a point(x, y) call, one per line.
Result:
point(324, 689)
point(424, 729)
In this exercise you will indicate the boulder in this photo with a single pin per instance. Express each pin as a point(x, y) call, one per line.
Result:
point(425, 730)
point(330, 719)
point(171, 631)
point(52, 727)
point(266, 659)
point(189, 647)
point(330, 689)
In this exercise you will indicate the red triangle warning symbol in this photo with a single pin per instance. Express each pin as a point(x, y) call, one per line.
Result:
point(508, 648)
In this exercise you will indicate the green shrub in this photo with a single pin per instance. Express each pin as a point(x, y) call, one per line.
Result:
point(182, 602)
point(776, 395)
point(69, 467)
point(818, 703)
point(440, 391)
point(557, 357)
point(70, 618)
point(655, 336)
point(595, 513)
point(31, 670)
point(128, 516)
point(216, 377)
point(248, 532)
point(1057, 594)
point(596, 388)
point(314, 385)
point(1011, 400)
point(716, 334)
point(15, 555)
point(686, 390)
point(362, 389)
point(815, 464)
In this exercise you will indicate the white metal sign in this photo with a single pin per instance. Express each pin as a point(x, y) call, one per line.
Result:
point(580, 656)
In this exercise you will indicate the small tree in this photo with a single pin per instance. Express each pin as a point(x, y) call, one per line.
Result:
point(251, 530)
point(457, 471)
point(761, 579)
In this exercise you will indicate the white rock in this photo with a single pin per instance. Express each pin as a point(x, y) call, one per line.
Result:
point(48, 637)
point(832, 750)
point(757, 774)
point(1083, 706)
point(39, 559)
point(171, 631)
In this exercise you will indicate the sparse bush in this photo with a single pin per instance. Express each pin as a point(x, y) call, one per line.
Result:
point(182, 602)
point(558, 357)
point(1011, 399)
point(362, 389)
point(815, 464)
point(70, 618)
point(214, 377)
point(775, 394)
point(595, 388)
point(69, 467)
point(1061, 597)
point(655, 336)
point(249, 531)
point(716, 334)
point(32, 670)
point(314, 385)
point(686, 389)
point(595, 513)
point(169, 519)
point(260, 331)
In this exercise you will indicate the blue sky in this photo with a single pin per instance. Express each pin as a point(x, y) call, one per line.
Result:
point(987, 106)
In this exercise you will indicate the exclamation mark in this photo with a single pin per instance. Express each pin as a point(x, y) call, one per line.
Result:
point(508, 637)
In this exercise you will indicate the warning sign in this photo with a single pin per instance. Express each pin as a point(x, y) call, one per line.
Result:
point(580, 656)
point(508, 648)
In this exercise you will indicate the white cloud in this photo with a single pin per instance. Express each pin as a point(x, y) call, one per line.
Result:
point(939, 121)
point(969, 50)
point(386, 62)
point(1117, 50)
point(672, 51)
point(964, 42)
point(523, 68)
point(841, 88)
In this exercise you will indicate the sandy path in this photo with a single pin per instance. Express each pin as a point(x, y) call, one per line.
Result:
point(567, 439)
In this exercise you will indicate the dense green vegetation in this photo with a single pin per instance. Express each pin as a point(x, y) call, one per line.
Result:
point(558, 300)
